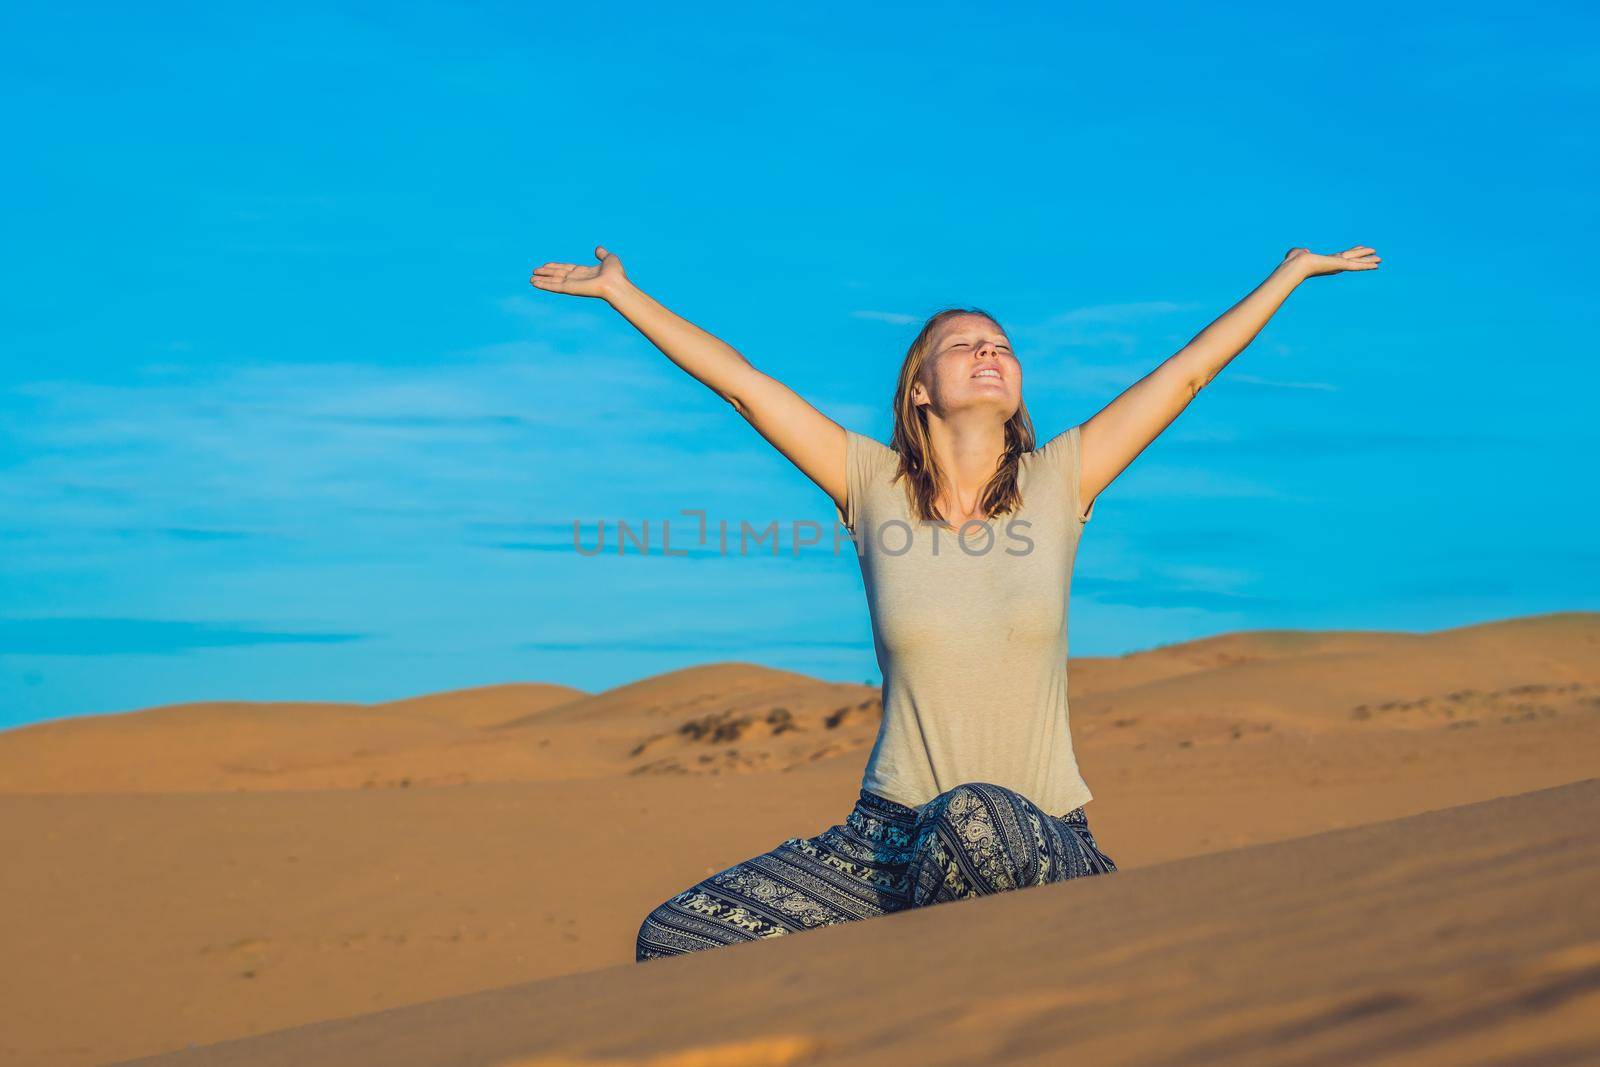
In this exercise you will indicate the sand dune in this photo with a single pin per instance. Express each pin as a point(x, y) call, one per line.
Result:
point(208, 871)
point(1463, 936)
point(733, 718)
point(688, 722)
point(244, 746)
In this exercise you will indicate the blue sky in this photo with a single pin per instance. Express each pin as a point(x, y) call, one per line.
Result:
point(280, 417)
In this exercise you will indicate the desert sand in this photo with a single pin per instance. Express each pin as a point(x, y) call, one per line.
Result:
point(1334, 847)
point(1462, 936)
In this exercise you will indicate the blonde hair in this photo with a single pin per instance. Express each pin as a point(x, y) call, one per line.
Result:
point(924, 482)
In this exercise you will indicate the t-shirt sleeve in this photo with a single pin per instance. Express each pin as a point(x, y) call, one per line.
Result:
point(1064, 452)
point(865, 461)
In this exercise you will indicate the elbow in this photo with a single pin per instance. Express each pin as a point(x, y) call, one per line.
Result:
point(735, 388)
point(735, 399)
point(1185, 375)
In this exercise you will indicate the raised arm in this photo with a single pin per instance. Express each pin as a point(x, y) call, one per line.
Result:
point(1114, 435)
point(811, 441)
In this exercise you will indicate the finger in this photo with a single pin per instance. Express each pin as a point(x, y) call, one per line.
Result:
point(555, 268)
point(600, 252)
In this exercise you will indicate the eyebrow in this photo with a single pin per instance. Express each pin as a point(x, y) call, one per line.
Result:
point(968, 336)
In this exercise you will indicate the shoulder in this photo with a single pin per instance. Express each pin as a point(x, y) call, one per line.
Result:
point(1060, 452)
point(868, 455)
point(1062, 458)
point(869, 466)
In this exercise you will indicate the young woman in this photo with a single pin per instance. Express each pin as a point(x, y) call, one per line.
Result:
point(972, 786)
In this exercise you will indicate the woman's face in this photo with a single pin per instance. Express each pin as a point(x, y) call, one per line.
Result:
point(970, 366)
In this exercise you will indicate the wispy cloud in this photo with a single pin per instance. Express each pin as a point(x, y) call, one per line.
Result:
point(1278, 444)
point(1176, 585)
point(1151, 594)
point(1164, 481)
point(1272, 383)
point(745, 644)
point(557, 312)
point(204, 448)
point(1137, 311)
point(185, 533)
point(893, 317)
point(90, 636)
point(1068, 372)
point(1127, 327)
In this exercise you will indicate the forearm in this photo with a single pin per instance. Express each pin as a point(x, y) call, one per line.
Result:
point(711, 361)
point(1212, 348)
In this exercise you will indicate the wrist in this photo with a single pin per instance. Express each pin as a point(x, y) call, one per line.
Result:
point(617, 289)
point(1293, 269)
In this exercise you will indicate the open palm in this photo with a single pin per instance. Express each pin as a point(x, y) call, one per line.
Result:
point(1358, 258)
point(578, 280)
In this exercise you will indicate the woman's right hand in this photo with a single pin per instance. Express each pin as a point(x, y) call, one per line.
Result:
point(574, 280)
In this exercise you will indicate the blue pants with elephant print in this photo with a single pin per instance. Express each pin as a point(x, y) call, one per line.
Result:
point(974, 839)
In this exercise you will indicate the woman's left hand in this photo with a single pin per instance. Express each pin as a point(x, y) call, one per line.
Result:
point(1310, 264)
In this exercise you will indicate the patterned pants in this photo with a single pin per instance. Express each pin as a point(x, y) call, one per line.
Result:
point(974, 839)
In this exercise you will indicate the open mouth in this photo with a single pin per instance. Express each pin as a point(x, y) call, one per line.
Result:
point(988, 372)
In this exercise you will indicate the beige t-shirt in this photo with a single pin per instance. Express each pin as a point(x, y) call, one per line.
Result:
point(972, 642)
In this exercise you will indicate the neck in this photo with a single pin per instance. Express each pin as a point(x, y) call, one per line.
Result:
point(967, 448)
